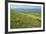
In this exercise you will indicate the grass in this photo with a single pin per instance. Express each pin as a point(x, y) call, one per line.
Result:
point(22, 20)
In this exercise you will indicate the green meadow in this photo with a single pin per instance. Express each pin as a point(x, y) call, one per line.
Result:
point(24, 20)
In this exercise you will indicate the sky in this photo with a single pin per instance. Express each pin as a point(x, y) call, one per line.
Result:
point(25, 6)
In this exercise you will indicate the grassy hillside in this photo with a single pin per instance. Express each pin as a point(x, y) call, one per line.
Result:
point(22, 20)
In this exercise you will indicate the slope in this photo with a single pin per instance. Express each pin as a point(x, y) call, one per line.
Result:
point(21, 20)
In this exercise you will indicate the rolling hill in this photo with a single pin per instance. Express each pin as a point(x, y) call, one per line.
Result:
point(21, 20)
point(25, 16)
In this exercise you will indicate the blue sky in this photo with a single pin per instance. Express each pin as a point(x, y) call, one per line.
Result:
point(25, 6)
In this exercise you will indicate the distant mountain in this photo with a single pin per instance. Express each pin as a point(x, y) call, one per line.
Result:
point(35, 10)
point(26, 8)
